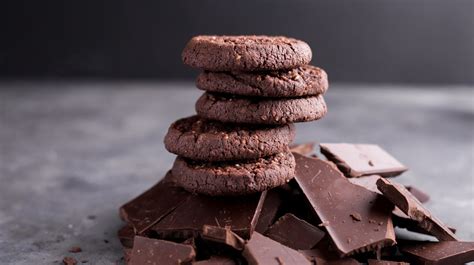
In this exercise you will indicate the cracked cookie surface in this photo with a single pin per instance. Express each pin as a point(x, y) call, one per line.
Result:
point(200, 139)
point(236, 109)
point(245, 53)
point(305, 80)
point(234, 178)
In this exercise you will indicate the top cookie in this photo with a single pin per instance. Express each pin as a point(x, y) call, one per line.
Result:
point(245, 53)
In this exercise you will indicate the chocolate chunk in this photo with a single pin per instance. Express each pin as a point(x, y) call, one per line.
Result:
point(385, 262)
point(439, 253)
point(356, 160)
point(400, 219)
point(303, 149)
point(370, 183)
point(270, 208)
point(294, 232)
point(409, 205)
point(239, 213)
point(216, 260)
point(222, 235)
point(261, 250)
point(154, 204)
point(420, 195)
point(324, 254)
point(126, 235)
point(334, 198)
point(155, 251)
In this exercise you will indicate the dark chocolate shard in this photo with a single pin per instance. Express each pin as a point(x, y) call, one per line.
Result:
point(420, 195)
point(222, 235)
point(414, 209)
point(438, 253)
point(303, 149)
point(294, 232)
point(334, 198)
point(152, 205)
point(356, 160)
point(385, 262)
point(261, 250)
point(216, 260)
point(324, 253)
point(126, 235)
point(370, 183)
point(400, 219)
point(240, 214)
point(270, 208)
point(154, 251)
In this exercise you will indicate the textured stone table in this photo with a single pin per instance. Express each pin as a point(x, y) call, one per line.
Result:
point(71, 154)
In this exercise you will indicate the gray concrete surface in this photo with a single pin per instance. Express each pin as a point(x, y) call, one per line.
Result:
point(71, 151)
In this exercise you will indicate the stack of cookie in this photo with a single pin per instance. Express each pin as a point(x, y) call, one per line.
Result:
point(256, 87)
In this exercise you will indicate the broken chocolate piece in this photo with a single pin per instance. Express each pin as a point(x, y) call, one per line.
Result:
point(409, 205)
point(222, 235)
point(439, 253)
point(370, 183)
point(324, 253)
point(294, 232)
point(334, 198)
point(303, 149)
point(261, 250)
point(126, 235)
point(270, 207)
point(216, 260)
point(420, 195)
point(385, 262)
point(400, 219)
point(152, 205)
point(155, 251)
point(240, 214)
point(356, 160)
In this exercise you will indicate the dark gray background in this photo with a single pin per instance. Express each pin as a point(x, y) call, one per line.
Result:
point(403, 41)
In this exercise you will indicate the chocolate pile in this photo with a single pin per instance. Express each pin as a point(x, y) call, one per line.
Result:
point(237, 195)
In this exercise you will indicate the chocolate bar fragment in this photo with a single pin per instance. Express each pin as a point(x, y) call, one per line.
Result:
point(270, 208)
point(409, 205)
point(240, 214)
point(370, 183)
point(222, 235)
point(216, 260)
point(420, 195)
point(126, 236)
point(356, 160)
point(324, 253)
point(356, 219)
point(155, 251)
point(294, 232)
point(439, 253)
point(261, 250)
point(385, 262)
point(303, 149)
point(154, 204)
point(400, 219)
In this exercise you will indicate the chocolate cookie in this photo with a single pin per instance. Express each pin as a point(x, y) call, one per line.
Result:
point(305, 80)
point(234, 178)
point(199, 139)
point(228, 108)
point(245, 53)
